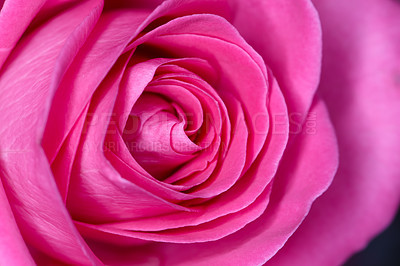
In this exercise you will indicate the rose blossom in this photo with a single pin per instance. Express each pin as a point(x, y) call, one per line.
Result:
point(197, 132)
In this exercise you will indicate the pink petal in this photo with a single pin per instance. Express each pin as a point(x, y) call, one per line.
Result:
point(27, 83)
point(154, 144)
point(210, 231)
point(287, 35)
point(179, 8)
point(15, 15)
point(62, 164)
point(305, 173)
point(230, 167)
point(210, 140)
point(138, 77)
point(360, 83)
point(107, 41)
point(231, 202)
point(216, 125)
point(126, 4)
point(172, 8)
point(240, 197)
point(191, 106)
point(13, 250)
point(98, 193)
point(191, 36)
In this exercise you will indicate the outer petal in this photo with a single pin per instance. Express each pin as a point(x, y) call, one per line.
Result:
point(361, 85)
point(107, 41)
point(287, 35)
point(13, 250)
point(27, 82)
point(15, 15)
point(68, 112)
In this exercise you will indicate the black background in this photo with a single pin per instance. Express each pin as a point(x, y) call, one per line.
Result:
point(384, 250)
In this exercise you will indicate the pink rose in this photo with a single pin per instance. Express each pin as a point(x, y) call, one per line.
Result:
point(192, 132)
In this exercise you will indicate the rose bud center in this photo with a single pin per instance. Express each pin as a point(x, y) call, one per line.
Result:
point(156, 135)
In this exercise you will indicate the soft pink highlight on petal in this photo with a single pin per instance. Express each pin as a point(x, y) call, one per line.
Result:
point(231, 165)
point(62, 164)
point(230, 202)
point(98, 193)
point(191, 36)
point(13, 250)
point(15, 15)
point(301, 180)
point(360, 84)
point(209, 231)
point(226, 187)
point(27, 83)
point(287, 35)
point(107, 41)
point(135, 80)
point(242, 195)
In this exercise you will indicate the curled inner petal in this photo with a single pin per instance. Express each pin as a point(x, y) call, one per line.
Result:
point(160, 144)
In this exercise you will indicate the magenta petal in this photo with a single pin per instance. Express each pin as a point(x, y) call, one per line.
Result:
point(287, 35)
point(306, 172)
point(107, 41)
point(238, 197)
point(231, 166)
point(13, 250)
point(62, 164)
point(191, 107)
point(191, 36)
point(27, 83)
point(178, 8)
point(98, 193)
point(147, 182)
point(154, 146)
point(135, 80)
point(210, 231)
point(15, 15)
point(360, 84)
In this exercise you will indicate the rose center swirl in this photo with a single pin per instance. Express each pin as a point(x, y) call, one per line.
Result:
point(158, 136)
